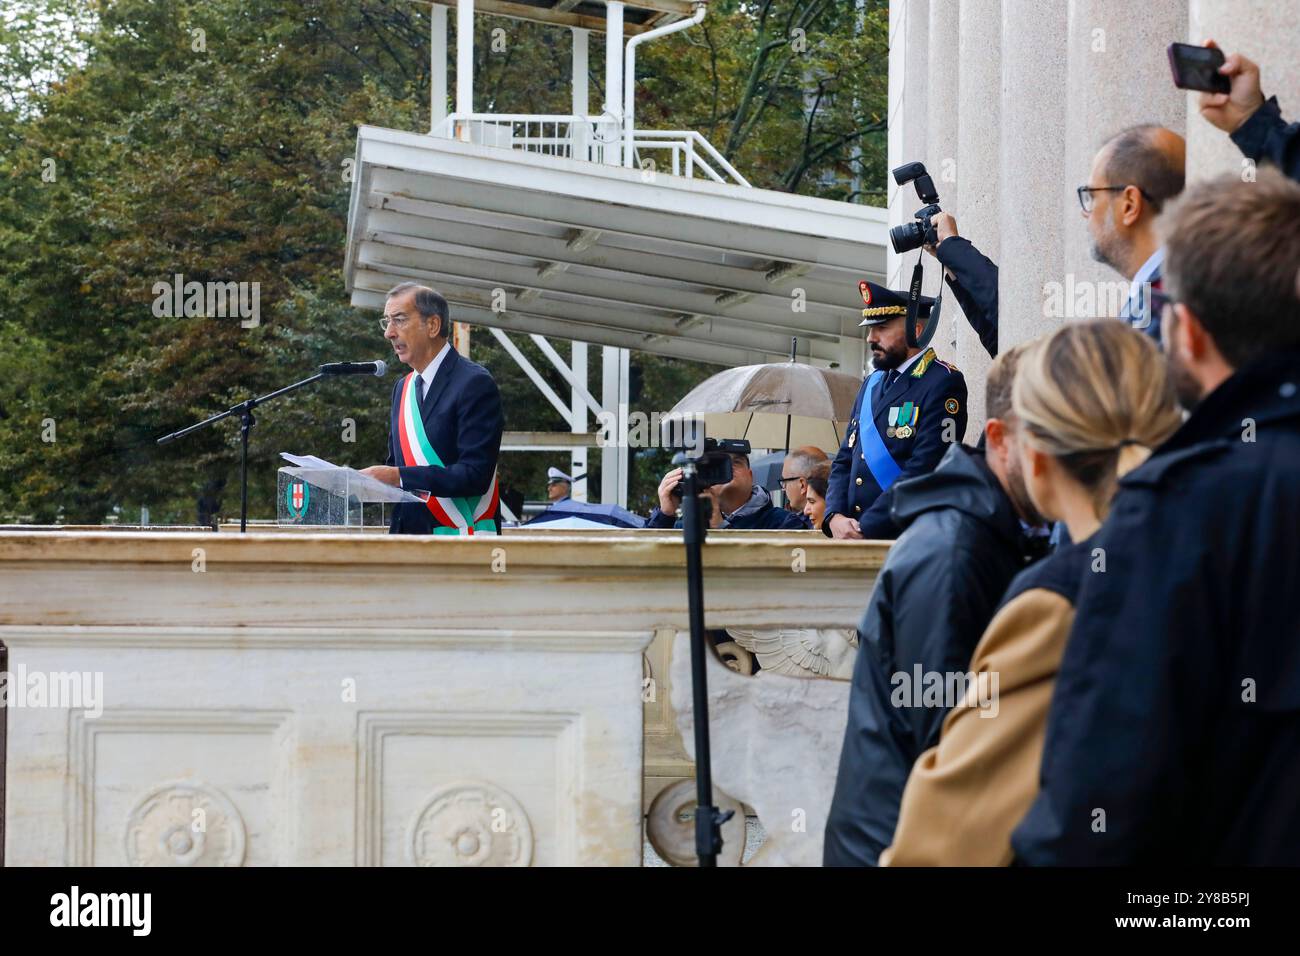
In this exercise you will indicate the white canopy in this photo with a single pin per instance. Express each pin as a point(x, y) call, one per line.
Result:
point(614, 256)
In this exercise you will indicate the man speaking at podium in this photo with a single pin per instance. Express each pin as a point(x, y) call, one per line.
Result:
point(445, 426)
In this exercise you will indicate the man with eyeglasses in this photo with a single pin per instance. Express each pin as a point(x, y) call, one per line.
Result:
point(795, 472)
point(1133, 175)
point(445, 426)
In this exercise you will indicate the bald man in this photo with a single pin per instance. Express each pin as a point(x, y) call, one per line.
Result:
point(1133, 176)
point(795, 472)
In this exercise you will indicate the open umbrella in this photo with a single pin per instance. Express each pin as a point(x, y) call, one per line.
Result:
point(781, 405)
point(582, 514)
point(767, 469)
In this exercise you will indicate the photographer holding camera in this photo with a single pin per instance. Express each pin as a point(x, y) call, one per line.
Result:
point(971, 275)
point(737, 503)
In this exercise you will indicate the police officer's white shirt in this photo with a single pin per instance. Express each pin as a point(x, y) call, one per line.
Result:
point(902, 369)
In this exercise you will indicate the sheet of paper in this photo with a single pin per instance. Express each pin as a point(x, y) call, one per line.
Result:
point(342, 480)
point(307, 461)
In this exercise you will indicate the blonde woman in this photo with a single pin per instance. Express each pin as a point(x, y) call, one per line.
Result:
point(1093, 399)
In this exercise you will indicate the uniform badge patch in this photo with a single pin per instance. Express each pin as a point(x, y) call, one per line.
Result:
point(952, 406)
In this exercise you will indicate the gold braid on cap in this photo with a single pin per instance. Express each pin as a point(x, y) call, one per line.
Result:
point(884, 310)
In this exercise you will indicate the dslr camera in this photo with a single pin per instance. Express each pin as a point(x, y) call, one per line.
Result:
point(920, 231)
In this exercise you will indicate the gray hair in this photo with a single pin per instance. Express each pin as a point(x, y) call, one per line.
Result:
point(804, 460)
point(428, 303)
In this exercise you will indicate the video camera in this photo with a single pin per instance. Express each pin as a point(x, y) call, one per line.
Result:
point(920, 232)
point(713, 467)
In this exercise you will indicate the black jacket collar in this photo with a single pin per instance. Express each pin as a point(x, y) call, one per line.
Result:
point(1265, 392)
point(962, 481)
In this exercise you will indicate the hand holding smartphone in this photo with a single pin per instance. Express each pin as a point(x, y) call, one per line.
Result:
point(1197, 68)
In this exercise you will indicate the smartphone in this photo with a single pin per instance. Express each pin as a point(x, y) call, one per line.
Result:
point(1197, 68)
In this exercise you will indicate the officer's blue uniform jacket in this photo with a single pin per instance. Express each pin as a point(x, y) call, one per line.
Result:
point(929, 393)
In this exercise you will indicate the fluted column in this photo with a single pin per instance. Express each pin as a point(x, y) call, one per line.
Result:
point(1033, 164)
point(975, 204)
point(1117, 75)
point(909, 29)
point(1269, 34)
point(942, 123)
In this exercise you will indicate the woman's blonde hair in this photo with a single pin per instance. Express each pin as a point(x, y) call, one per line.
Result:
point(1097, 397)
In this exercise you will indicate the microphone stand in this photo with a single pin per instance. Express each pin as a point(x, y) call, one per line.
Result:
point(246, 422)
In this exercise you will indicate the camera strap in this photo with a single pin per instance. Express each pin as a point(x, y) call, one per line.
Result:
point(914, 306)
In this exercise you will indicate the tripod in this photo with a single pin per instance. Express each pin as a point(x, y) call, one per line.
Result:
point(708, 818)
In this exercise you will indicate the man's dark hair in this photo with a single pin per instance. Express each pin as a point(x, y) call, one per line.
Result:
point(428, 303)
point(997, 386)
point(1136, 159)
point(1232, 252)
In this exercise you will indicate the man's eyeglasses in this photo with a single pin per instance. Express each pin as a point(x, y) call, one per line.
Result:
point(398, 320)
point(784, 480)
point(1086, 200)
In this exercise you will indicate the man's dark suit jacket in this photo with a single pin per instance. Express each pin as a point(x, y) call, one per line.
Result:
point(463, 419)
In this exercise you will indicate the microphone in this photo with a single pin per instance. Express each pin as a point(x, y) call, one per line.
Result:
point(355, 368)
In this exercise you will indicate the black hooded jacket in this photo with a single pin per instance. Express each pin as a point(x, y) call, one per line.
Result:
point(937, 591)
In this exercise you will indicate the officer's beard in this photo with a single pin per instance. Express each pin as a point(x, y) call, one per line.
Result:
point(885, 359)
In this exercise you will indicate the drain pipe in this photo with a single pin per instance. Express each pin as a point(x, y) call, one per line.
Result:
point(629, 74)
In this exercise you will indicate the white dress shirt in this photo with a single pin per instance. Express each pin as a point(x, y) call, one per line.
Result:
point(430, 370)
point(426, 380)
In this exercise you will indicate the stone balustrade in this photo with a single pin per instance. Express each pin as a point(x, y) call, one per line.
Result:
point(217, 699)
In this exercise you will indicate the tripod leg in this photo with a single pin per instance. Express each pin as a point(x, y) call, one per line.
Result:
point(708, 825)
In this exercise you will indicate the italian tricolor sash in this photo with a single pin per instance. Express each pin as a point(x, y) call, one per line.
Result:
point(454, 515)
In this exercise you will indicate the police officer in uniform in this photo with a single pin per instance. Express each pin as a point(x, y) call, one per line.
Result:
point(907, 413)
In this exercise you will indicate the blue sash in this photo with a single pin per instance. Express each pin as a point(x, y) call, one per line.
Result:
point(879, 461)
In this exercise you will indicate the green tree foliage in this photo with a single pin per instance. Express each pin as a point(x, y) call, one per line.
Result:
point(141, 139)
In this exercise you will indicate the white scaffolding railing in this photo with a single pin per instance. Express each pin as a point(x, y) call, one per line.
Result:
point(594, 139)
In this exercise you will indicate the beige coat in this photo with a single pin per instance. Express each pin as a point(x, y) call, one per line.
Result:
point(966, 795)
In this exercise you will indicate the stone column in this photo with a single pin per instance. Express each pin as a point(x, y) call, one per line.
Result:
point(979, 108)
point(942, 123)
point(909, 28)
point(1117, 75)
point(1264, 32)
point(1033, 164)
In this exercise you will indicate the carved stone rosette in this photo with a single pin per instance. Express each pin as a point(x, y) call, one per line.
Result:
point(471, 824)
point(184, 824)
